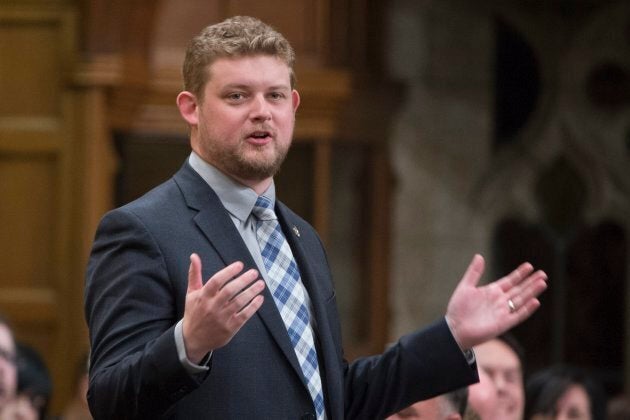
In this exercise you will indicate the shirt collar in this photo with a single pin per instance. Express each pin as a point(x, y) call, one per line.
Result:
point(237, 198)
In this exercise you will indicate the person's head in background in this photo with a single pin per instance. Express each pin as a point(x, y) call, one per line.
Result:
point(483, 398)
point(564, 392)
point(502, 360)
point(34, 382)
point(8, 366)
point(449, 406)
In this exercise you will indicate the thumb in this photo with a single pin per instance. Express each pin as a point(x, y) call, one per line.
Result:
point(473, 272)
point(194, 273)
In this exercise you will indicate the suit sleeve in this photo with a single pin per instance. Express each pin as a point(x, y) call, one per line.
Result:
point(419, 366)
point(130, 307)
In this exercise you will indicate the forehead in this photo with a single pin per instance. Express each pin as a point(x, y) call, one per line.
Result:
point(249, 69)
point(497, 354)
point(574, 396)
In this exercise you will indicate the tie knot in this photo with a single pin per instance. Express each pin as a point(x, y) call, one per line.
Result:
point(263, 209)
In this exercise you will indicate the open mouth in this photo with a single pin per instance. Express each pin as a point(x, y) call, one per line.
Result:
point(260, 135)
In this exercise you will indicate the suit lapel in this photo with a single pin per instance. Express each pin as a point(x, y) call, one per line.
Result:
point(217, 226)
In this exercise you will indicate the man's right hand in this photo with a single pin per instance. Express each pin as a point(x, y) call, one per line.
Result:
point(215, 311)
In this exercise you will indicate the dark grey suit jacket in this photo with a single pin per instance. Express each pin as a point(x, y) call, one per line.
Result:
point(135, 293)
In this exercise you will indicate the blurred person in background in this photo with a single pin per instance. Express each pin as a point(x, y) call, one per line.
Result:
point(8, 366)
point(12, 405)
point(501, 359)
point(562, 393)
point(483, 399)
point(34, 381)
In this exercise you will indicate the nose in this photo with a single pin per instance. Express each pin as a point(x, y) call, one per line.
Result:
point(260, 110)
point(501, 384)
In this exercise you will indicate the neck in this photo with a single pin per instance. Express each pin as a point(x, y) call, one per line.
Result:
point(259, 186)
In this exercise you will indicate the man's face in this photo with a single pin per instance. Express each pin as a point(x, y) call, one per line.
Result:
point(8, 369)
point(246, 118)
point(502, 365)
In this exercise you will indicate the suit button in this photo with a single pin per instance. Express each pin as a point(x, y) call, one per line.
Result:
point(308, 416)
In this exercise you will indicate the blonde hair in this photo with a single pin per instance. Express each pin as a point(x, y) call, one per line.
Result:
point(234, 37)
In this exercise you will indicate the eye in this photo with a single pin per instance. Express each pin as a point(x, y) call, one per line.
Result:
point(276, 96)
point(512, 376)
point(235, 96)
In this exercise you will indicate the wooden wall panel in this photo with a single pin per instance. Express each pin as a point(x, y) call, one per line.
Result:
point(33, 53)
point(41, 286)
point(28, 185)
point(302, 22)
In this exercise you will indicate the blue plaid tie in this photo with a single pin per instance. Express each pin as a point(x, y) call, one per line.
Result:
point(290, 296)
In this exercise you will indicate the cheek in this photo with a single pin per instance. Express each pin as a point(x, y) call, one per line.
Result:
point(220, 119)
point(519, 394)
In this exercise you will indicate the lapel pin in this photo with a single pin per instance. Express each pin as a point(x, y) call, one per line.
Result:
point(296, 231)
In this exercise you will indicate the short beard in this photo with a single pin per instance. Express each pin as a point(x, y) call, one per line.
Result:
point(236, 164)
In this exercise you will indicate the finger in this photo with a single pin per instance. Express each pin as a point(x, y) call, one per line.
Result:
point(538, 279)
point(530, 289)
point(222, 277)
point(237, 286)
point(242, 316)
point(515, 277)
point(473, 272)
point(194, 273)
point(525, 311)
point(241, 300)
point(239, 318)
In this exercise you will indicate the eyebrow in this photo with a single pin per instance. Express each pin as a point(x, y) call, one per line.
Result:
point(246, 86)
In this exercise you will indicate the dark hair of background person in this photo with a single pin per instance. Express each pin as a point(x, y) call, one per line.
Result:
point(33, 378)
point(511, 341)
point(459, 399)
point(546, 387)
point(619, 408)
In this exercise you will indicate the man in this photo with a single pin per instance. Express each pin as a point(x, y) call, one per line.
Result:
point(501, 360)
point(207, 298)
point(451, 406)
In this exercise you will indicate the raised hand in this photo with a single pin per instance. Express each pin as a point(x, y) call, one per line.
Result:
point(477, 314)
point(215, 311)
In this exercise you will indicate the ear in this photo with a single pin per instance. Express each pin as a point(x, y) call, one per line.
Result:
point(295, 98)
point(188, 107)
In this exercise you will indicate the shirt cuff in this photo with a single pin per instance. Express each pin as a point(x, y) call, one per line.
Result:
point(190, 367)
point(470, 356)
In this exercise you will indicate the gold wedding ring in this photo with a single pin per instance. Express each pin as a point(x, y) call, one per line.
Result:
point(511, 306)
